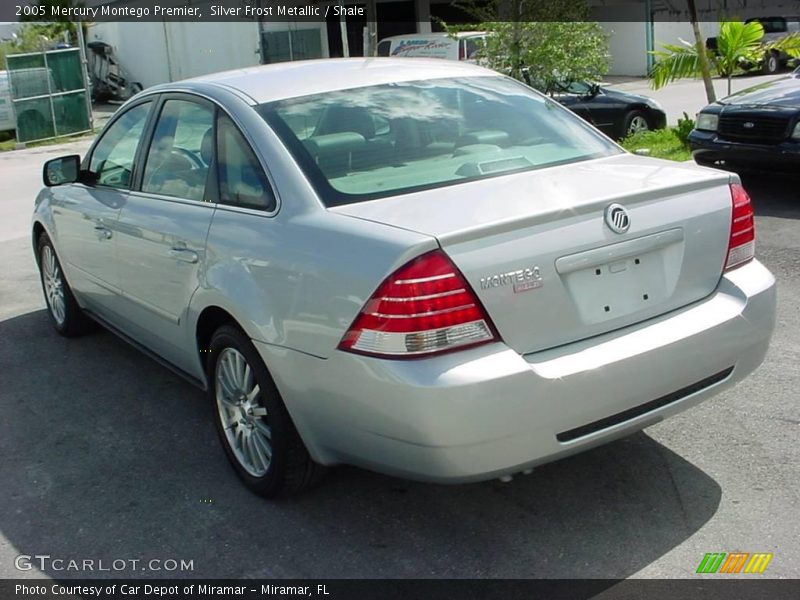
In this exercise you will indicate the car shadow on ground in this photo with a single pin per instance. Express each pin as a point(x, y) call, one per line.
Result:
point(107, 455)
point(774, 194)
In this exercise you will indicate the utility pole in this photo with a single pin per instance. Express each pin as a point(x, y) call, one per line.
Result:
point(85, 71)
point(372, 28)
point(343, 30)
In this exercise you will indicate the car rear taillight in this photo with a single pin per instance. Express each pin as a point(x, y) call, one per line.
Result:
point(425, 306)
point(742, 243)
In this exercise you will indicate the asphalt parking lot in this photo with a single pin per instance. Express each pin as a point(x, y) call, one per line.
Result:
point(107, 455)
point(686, 95)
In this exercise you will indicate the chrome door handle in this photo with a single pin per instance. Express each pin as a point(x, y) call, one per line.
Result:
point(103, 233)
point(184, 254)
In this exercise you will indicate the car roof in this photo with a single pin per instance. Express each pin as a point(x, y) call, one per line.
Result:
point(267, 83)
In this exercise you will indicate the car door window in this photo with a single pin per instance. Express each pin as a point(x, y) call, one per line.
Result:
point(472, 47)
point(113, 156)
point(242, 181)
point(180, 154)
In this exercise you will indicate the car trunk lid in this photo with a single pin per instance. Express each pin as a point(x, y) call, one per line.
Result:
point(539, 253)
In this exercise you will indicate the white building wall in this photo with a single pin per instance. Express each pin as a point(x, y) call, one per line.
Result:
point(670, 32)
point(199, 48)
point(627, 44)
point(158, 52)
point(139, 46)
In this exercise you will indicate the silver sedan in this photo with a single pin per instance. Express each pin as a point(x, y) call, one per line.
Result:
point(418, 267)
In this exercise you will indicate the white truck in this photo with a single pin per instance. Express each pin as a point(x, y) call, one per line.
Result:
point(460, 46)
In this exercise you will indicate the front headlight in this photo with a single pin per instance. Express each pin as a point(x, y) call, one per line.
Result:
point(796, 132)
point(707, 122)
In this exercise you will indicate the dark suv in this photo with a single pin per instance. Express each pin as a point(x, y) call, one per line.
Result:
point(757, 128)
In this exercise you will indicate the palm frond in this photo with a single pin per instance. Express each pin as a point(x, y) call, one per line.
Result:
point(789, 44)
point(737, 44)
point(737, 39)
point(673, 62)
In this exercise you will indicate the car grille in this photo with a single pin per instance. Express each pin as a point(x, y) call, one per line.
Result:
point(753, 127)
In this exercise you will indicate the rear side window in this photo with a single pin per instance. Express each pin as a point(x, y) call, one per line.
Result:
point(112, 158)
point(242, 181)
point(383, 48)
point(180, 153)
point(371, 142)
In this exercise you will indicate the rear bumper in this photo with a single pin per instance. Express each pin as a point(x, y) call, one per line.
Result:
point(708, 148)
point(488, 411)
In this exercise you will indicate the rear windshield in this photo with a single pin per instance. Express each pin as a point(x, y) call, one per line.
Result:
point(372, 142)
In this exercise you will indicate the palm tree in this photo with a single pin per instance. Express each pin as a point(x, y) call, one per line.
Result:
point(738, 45)
point(702, 55)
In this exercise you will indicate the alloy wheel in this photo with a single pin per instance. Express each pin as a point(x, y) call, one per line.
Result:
point(638, 123)
point(241, 412)
point(53, 285)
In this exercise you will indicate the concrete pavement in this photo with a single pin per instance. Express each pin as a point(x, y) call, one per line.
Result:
point(22, 179)
point(685, 95)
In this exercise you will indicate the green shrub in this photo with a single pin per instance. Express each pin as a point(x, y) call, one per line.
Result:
point(684, 128)
point(662, 143)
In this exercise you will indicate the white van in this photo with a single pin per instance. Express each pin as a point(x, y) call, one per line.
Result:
point(460, 46)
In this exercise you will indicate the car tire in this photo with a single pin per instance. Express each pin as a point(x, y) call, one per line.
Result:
point(635, 122)
point(65, 314)
point(772, 63)
point(254, 427)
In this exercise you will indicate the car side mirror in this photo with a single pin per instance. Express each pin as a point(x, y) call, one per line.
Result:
point(58, 171)
point(594, 89)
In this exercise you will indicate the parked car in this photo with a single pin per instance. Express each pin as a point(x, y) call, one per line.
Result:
point(775, 28)
point(757, 128)
point(434, 272)
point(617, 114)
point(459, 46)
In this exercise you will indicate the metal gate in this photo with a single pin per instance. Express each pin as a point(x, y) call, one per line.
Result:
point(49, 94)
point(295, 44)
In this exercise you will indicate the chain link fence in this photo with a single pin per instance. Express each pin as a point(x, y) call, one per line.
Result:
point(49, 94)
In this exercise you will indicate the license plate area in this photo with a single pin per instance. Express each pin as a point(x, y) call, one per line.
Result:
point(623, 279)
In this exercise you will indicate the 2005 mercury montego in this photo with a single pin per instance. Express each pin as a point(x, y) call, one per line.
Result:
point(420, 267)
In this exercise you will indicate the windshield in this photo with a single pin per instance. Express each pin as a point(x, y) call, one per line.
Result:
point(372, 142)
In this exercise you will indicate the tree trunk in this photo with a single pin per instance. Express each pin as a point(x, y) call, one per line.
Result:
point(702, 58)
point(516, 50)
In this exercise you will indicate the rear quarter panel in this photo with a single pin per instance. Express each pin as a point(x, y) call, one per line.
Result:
point(298, 282)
